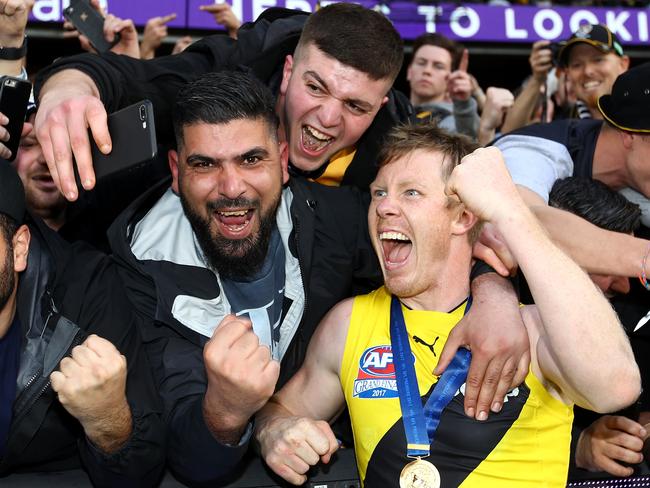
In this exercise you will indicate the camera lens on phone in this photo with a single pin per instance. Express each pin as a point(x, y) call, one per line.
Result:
point(143, 112)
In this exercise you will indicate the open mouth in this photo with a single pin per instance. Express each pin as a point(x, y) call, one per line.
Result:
point(234, 221)
point(314, 140)
point(44, 180)
point(590, 85)
point(396, 248)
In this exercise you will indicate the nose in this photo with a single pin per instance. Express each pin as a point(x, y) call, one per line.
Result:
point(386, 207)
point(589, 69)
point(330, 112)
point(620, 284)
point(230, 183)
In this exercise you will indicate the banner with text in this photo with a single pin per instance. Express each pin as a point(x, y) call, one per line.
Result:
point(471, 22)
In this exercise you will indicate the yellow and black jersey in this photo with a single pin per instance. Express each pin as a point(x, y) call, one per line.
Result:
point(524, 445)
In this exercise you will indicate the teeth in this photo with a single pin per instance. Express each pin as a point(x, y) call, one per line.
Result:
point(591, 84)
point(393, 236)
point(316, 134)
point(234, 213)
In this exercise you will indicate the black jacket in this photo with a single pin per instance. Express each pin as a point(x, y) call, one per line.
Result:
point(261, 48)
point(330, 241)
point(66, 293)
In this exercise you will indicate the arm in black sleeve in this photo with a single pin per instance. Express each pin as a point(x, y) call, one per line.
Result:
point(106, 312)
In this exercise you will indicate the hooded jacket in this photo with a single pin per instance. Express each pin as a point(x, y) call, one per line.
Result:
point(324, 231)
point(66, 293)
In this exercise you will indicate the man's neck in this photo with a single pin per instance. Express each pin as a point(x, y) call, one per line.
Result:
point(450, 288)
point(7, 314)
point(609, 160)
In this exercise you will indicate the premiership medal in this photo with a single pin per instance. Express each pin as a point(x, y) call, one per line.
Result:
point(421, 423)
point(419, 474)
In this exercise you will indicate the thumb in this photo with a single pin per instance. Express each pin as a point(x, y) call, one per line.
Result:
point(455, 341)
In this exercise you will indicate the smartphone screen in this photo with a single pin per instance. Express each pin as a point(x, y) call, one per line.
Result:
point(14, 97)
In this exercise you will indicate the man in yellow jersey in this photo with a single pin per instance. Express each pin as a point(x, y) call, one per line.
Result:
point(379, 352)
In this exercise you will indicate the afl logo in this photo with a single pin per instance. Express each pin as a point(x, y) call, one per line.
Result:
point(378, 362)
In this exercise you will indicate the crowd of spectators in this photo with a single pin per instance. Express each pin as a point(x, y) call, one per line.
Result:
point(233, 291)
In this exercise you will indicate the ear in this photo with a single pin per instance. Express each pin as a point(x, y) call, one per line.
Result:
point(627, 138)
point(286, 74)
point(284, 161)
point(172, 158)
point(383, 102)
point(409, 73)
point(20, 243)
point(625, 63)
point(463, 221)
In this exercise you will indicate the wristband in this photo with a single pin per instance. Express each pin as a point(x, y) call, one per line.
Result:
point(14, 53)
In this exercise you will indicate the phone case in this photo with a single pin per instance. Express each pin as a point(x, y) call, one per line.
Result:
point(133, 134)
point(14, 97)
point(90, 23)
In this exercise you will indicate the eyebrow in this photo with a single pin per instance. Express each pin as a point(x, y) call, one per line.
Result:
point(357, 101)
point(257, 151)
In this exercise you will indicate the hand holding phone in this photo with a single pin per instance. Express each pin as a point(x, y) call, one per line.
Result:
point(14, 97)
point(90, 23)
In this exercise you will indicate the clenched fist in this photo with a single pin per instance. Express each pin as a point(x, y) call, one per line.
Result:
point(292, 445)
point(91, 386)
point(241, 378)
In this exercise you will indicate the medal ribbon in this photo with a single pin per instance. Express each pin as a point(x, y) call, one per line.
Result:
point(420, 423)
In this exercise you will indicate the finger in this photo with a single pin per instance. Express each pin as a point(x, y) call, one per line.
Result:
point(230, 329)
point(44, 139)
point(5, 153)
point(464, 61)
point(522, 370)
point(622, 454)
point(488, 386)
point(168, 18)
point(291, 474)
point(68, 367)
point(214, 7)
point(503, 385)
point(624, 424)
point(487, 254)
point(63, 161)
point(454, 341)
point(77, 133)
point(271, 372)
point(27, 128)
point(473, 384)
point(612, 467)
point(84, 356)
point(57, 380)
point(333, 443)
point(4, 134)
point(101, 347)
point(246, 345)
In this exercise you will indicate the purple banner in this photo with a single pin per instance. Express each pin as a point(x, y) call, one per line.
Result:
point(472, 22)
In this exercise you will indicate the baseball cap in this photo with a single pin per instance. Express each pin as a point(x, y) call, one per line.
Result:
point(627, 106)
point(596, 35)
point(12, 193)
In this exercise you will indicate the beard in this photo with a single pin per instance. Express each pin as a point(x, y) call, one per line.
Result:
point(233, 258)
point(7, 278)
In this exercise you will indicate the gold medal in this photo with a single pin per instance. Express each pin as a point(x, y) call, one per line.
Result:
point(419, 474)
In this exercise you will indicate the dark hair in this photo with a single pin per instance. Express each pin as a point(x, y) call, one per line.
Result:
point(455, 49)
point(8, 228)
point(221, 97)
point(597, 203)
point(357, 37)
point(407, 138)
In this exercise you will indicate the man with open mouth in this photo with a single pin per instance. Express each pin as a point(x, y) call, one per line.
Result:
point(375, 354)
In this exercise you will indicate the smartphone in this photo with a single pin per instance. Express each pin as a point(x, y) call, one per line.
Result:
point(14, 98)
point(90, 23)
point(133, 134)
